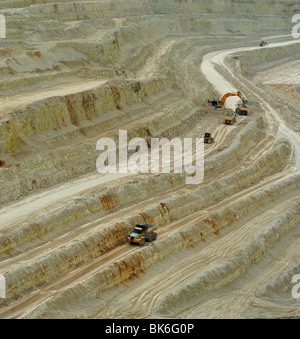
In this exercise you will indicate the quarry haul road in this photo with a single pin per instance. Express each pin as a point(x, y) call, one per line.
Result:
point(13, 102)
point(204, 258)
point(229, 239)
point(36, 205)
point(29, 302)
point(223, 86)
point(167, 280)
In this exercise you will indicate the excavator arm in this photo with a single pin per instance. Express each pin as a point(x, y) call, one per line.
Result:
point(221, 103)
point(241, 109)
point(223, 100)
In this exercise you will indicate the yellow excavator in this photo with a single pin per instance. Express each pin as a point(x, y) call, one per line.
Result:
point(241, 109)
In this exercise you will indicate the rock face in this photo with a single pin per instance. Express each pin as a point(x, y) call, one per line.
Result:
point(72, 72)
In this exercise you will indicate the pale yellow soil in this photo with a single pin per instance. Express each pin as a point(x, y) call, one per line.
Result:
point(226, 248)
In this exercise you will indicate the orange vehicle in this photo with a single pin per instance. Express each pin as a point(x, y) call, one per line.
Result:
point(221, 103)
point(241, 109)
point(208, 139)
point(230, 118)
point(143, 233)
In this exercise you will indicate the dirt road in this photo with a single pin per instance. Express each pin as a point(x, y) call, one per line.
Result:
point(64, 227)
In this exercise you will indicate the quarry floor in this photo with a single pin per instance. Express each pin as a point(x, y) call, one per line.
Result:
point(226, 248)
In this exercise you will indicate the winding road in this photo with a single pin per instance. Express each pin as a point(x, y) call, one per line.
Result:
point(140, 297)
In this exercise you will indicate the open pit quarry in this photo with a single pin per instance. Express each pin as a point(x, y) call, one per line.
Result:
point(75, 71)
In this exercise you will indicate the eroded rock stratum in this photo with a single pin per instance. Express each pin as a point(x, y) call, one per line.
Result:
point(72, 72)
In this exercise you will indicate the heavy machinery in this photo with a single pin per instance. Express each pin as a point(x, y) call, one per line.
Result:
point(208, 139)
point(221, 103)
point(263, 44)
point(242, 109)
point(143, 233)
point(230, 118)
point(213, 103)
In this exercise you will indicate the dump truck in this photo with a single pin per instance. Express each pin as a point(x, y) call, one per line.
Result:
point(208, 139)
point(230, 118)
point(143, 233)
point(242, 109)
